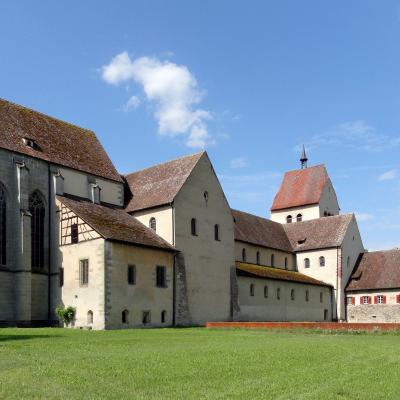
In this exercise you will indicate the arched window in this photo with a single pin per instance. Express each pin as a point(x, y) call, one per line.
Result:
point(265, 291)
point(322, 261)
point(307, 295)
point(289, 219)
point(153, 223)
point(321, 297)
point(299, 218)
point(306, 263)
point(216, 232)
point(193, 227)
point(278, 293)
point(252, 289)
point(272, 260)
point(244, 254)
point(258, 258)
point(348, 262)
point(292, 294)
point(3, 226)
point(125, 314)
point(90, 317)
point(37, 209)
point(163, 316)
point(286, 265)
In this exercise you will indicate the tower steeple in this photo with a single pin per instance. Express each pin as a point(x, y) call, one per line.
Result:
point(303, 158)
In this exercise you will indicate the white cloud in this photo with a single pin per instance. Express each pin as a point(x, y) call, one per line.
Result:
point(239, 162)
point(362, 217)
point(131, 104)
point(173, 90)
point(388, 175)
point(354, 135)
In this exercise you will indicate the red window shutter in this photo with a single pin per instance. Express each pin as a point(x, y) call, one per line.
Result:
point(398, 298)
point(384, 299)
point(369, 300)
point(353, 300)
point(375, 299)
point(362, 300)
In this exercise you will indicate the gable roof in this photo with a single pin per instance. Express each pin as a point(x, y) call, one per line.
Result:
point(247, 269)
point(377, 270)
point(159, 185)
point(301, 187)
point(318, 233)
point(260, 231)
point(115, 224)
point(56, 141)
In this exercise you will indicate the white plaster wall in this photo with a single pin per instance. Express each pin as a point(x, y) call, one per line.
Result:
point(352, 247)
point(260, 308)
point(91, 297)
point(327, 274)
point(164, 220)
point(207, 261)
point(76, 183)
point(144, 295)
point(308, 212)
point(328, 202)
point(265, 255)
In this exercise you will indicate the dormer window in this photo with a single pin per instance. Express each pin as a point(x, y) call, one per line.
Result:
point(30, 143)
point(301, 241)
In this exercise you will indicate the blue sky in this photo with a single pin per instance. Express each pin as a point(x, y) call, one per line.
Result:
point(249, 81)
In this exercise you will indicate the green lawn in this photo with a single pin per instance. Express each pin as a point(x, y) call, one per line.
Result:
point(198, 364)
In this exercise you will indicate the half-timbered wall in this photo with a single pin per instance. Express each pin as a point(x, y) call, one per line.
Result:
point(67, 219)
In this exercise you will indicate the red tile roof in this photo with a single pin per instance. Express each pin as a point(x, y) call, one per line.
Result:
point(376, 270)
point(56, 141)
point(300, 188)
point(115, 224)
point(158, 185)
point(246, 269)
point(260, 231)
point(318, 233)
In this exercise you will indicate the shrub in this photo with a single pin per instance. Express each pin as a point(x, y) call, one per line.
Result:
point(66, 314)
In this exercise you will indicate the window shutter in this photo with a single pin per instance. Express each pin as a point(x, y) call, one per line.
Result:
point(369, 300)
point(384, 299)
point(398, 298)
point(353, 301)
point(375, 299)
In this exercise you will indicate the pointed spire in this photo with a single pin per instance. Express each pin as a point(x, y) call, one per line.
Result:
point(303, 158)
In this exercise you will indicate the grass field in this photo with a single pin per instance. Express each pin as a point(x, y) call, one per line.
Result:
point(197, 364)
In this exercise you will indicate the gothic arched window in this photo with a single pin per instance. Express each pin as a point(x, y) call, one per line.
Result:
point(3, 226)
point(37, 209)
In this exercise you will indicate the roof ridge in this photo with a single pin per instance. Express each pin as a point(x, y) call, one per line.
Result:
point(46, 115)
point(305, 169)
point(164, 162)
point(256, 216)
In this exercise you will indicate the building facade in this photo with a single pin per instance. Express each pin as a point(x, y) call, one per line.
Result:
point(162, 247)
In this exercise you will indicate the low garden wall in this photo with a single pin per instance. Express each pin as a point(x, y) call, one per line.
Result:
point(340, 326)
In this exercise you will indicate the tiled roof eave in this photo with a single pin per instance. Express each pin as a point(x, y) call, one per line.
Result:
point(254, 243)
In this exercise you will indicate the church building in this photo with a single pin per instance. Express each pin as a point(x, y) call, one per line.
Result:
point(162, 247)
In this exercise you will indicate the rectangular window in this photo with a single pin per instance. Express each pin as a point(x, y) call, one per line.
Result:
point(131, 274)
point(74, 234)
point(380, 300)
point(61, 277)
point(349, 300)
point(84, 272)
point(365, 300)
point(161, 277)
point(146, 317)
